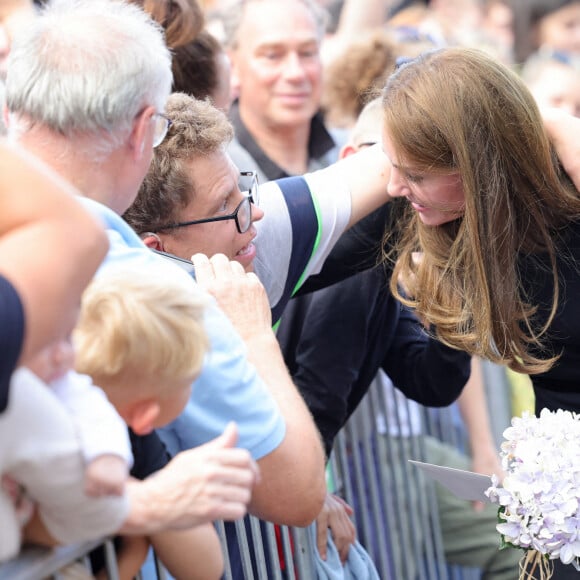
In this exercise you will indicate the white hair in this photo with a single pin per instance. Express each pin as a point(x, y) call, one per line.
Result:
point(233, 13)
point(88, 66)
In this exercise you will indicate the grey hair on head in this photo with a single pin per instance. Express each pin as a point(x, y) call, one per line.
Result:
point(88, 67)
point(233, 13)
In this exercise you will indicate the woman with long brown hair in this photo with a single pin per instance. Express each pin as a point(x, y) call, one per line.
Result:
point(493, 217)
point(493, 213)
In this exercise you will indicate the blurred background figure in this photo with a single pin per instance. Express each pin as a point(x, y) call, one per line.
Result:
point(498, 25)
point(200, 65)
point(553, 24)
point(484, 24)
point(201, 68)
point(274, 49)
point(350, 80)
point(182, 20)
point(13, 15)
point(554, 80)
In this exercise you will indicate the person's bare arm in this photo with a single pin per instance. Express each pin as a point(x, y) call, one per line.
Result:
point(50, 247)
point(564, 131)
point(194, 554)
point(474, 412)
point(292, 487)
point(35, 532)
point(367, 176)
point(130, 558)
point(359, 16)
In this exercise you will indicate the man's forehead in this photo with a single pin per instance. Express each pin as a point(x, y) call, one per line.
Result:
point(215, 173)
point(266, 17)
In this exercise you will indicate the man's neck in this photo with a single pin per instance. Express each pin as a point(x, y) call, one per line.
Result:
point(71, 161)
point(286, 146)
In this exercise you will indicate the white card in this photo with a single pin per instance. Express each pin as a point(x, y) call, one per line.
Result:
point(464, 484)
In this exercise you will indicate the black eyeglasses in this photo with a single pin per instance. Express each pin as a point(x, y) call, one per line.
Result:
point(242, 215)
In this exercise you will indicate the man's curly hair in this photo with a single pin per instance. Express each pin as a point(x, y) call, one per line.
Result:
point(197, 129)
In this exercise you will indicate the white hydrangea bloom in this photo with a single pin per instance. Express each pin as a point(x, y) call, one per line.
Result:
point(540, 497)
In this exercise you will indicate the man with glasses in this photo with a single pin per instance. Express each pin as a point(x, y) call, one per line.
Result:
point(242, 215)
point(192, 201)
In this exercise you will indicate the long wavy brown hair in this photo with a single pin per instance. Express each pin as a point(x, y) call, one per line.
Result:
point(459, 110)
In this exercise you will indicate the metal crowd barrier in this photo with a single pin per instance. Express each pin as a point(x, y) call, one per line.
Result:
point(392, 509)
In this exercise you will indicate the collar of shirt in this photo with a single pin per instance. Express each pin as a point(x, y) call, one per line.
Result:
point(319, 143)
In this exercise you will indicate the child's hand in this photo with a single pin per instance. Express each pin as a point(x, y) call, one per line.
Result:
point(106, 475)
point(335, 516)
point(23, 505)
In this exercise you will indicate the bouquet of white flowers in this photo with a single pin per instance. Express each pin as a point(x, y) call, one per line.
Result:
point(540, 496)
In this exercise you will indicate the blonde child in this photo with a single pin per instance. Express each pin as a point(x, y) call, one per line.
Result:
point(142, 341)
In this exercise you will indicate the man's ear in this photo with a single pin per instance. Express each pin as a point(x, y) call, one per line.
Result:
point(234, 77)
point(141, 416)
point(5, 117)
point(141, 132)
point(153, 241)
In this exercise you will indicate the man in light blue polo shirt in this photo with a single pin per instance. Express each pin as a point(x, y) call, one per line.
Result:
point(94, 114)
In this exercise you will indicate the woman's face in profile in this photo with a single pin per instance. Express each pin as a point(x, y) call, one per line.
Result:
point(437, 198)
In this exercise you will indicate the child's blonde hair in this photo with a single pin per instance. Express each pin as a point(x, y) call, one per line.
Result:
point(131, 321)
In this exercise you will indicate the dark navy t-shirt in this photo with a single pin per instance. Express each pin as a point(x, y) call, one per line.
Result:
point(11, 336)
